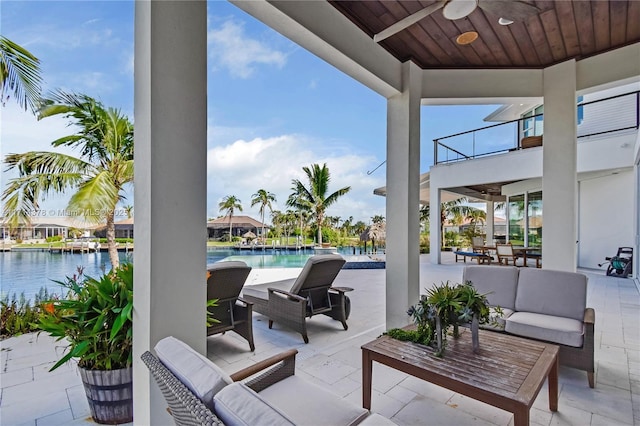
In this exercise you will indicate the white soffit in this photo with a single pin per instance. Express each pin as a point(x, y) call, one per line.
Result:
point(424, 191)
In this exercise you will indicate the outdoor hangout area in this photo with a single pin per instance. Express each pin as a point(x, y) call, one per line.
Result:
point(348, 376)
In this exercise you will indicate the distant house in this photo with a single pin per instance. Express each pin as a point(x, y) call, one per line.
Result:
point(124, 229)
point(499, 227)
point(240, 225)
point(41, 228)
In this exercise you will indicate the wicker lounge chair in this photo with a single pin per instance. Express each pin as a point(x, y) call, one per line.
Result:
point(290, 302)
point(224, 283)
point(198, 392)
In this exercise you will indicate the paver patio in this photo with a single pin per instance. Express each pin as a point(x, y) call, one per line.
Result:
point(30, 395)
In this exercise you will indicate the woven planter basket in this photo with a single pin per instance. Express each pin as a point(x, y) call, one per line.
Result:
point(110, 394)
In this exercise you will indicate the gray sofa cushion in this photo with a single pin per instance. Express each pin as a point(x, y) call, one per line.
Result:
point(550, 328)
point(238, 405)
point(497, 322)
point(500, 283)
point(308, 404)
point(197, 372)
point(557, 293)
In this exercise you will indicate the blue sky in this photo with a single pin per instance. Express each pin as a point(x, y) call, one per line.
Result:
point(273, 107)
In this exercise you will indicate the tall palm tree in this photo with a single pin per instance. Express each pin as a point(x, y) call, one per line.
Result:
point(265, 199)
point(230, 204)
point(314, 198)
point(129, 210)
point(19, 75)
point(99, 175)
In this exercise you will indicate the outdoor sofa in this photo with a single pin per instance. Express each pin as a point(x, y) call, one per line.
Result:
point(200, 393)
point(541, 304)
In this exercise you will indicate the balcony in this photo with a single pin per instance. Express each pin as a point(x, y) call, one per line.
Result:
point(601, 118)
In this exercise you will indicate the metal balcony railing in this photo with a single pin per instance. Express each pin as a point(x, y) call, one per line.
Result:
point(603, 116)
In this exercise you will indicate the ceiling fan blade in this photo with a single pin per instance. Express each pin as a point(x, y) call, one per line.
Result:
point(408, 21)
point(513, 10)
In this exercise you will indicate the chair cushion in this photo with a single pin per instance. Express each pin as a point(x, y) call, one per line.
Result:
point(197, 372)
point(561, 330)
point(308, 404)
point(238, 405)
point(557, 293)
point(497, 322)
point(499, 283)
point(319, 271)
point(261, 291)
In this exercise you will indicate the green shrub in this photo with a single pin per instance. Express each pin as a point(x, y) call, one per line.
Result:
point(118, 240)
point(18, 316)
point(54, 239)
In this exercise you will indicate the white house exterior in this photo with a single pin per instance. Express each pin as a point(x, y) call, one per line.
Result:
point(607, 194)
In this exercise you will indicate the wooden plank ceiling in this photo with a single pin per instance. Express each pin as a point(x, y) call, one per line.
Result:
point(561, 30)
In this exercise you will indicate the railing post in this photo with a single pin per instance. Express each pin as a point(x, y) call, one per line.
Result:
point(435, 151)
point(637, 109)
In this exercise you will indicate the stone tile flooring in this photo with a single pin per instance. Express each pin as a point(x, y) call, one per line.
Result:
point(30, 395)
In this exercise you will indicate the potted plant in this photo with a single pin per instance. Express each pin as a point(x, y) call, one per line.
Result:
point(95, 319)
point(446, 306)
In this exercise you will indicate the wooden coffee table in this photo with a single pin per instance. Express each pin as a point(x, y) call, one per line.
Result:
point(507, 373)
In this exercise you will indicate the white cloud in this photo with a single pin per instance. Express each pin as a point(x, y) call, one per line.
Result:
point(242, 167)
point(231, 48)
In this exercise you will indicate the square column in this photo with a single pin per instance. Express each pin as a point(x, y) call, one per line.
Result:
point(489, 223)
point(403, 194)
point(170, 187)
point(435, 211)
point(559, 175)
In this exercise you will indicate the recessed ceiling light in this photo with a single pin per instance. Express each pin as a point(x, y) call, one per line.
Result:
point(505, 21)
point(456, 9)
point(467, 38)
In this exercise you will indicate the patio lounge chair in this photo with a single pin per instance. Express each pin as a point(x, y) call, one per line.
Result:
point(290, 302)
point(198, 392)
point(224, 283)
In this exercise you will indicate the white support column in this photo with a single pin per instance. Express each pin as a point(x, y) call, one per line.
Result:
point(403, 194)
point(489, 223)
point(170, 187)
point(435, 233)
point(559, 176)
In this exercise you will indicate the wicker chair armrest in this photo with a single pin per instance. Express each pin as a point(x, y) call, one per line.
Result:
point(286, 293)
point(278, 367)
point(246, 303)
point(589, 316)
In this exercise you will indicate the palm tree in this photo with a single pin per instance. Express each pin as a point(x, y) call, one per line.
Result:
point(230, 204)
point(19, 74)
point(476, 216)
point(129, 210)
point(99, 174)
point(265, 199)
point(454, 210)
point(314, 197)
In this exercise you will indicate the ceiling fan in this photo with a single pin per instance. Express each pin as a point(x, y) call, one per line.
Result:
point(509, 10)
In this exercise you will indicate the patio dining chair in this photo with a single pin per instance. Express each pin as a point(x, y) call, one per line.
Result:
point(505, 254)
point(291, 302)
point(224, 283)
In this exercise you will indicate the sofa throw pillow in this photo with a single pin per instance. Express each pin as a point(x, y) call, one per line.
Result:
point(197, 372)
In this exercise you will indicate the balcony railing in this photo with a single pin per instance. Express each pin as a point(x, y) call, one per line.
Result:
point(599, 117)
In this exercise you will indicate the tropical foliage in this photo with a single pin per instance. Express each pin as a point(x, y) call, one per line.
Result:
point(19, 75)
point(18, 315)
point(455, 212)
point(314, 197)
point(229, 205)
point(99, 175)
point(95, 318)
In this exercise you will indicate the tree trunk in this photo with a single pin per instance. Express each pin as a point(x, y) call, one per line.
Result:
point(111, 241)
point(230, 233)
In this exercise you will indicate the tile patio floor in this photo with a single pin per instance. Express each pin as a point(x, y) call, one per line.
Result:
point(32, 396)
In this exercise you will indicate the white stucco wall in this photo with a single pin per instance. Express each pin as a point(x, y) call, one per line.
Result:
point(606, 209)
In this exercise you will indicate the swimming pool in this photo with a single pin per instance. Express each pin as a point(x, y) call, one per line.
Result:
point(28, 271)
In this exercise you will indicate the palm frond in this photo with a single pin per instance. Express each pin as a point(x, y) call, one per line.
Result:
point(96, 198)
point(19, 74)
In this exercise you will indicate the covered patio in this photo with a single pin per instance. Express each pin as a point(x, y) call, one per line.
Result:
point(418, 65)
point(332, 360)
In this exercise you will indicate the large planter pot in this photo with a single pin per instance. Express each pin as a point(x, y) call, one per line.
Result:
point(110, 394)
